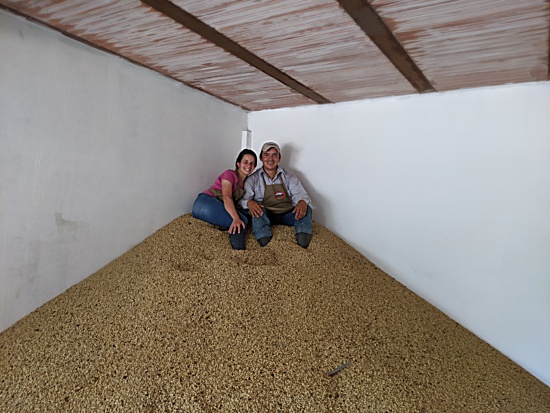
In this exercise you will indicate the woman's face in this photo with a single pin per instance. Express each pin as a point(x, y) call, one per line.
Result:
point(246, 165)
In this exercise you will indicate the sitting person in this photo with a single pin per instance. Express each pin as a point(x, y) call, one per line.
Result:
point(217, 205)
point(275, 196)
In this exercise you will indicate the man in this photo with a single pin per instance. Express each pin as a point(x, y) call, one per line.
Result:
point(275, 196)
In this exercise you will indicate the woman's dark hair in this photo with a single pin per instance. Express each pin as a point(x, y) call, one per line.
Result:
point(246, 152)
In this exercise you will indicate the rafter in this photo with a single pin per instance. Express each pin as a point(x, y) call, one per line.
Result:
point(373, 26)
point(191, 22)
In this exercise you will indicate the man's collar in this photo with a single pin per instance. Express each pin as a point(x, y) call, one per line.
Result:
point(279, 170)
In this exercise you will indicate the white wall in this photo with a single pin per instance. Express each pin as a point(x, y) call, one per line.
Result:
point(449, 193)
point(95, 155)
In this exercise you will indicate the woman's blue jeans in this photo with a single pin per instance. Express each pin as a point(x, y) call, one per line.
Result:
point(210, 209)
point(261, 226)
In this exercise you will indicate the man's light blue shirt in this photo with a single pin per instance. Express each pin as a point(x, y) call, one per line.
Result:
point(254, 186)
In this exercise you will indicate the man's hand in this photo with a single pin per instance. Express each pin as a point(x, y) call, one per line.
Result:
point(255, 209)
point(300, 210)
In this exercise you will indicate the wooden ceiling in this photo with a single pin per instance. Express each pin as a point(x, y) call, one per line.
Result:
point(266, 54)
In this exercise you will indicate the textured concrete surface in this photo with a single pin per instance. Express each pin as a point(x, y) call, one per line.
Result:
point(183, 323)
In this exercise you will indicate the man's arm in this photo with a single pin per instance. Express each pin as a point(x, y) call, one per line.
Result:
point(296, 190)
point(248, 193)
point(253, 195)
point(253, 190)
point(298, 195)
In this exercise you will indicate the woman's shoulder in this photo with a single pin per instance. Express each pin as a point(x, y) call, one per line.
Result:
point(229, 175)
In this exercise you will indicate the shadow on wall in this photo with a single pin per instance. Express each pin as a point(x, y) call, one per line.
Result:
point(317, 200)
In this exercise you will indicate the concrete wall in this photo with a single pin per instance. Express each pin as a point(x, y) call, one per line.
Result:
point(95, 155)
point(449, 193)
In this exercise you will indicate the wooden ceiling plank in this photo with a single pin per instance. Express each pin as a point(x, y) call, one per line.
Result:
point(109, 51)
point(191, 22)
point(373, 26)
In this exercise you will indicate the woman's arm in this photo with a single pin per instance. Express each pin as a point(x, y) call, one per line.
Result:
point(227, 193)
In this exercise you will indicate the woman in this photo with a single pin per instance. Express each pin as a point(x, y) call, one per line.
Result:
point(216, 205)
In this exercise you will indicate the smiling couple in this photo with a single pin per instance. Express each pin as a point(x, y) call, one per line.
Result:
point(269, 196)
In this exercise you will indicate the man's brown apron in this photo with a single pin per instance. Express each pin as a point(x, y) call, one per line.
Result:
point(276, 198)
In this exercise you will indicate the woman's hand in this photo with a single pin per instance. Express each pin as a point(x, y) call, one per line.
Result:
point(236, 225)
point(229, 206)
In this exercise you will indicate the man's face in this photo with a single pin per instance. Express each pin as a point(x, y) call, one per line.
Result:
point(270, 159)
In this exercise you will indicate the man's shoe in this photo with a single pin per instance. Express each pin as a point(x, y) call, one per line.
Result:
point(264, 241)
point(303, 239)
point(237, 241)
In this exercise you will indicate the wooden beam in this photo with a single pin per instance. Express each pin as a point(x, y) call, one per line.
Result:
point(212, 35)
point(373, 26)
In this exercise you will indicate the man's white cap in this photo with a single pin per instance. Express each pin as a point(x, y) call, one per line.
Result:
point(268, 145)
